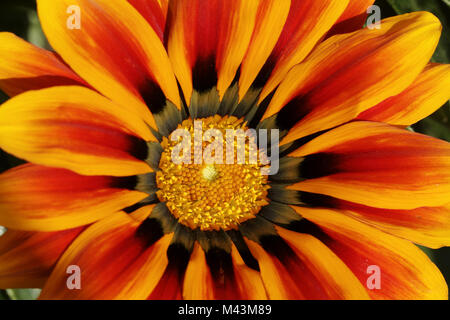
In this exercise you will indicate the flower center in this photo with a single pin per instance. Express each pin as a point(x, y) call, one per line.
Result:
point(206, 194)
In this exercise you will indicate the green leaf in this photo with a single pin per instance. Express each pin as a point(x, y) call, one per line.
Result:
point(4, 295)
point(433, 127)
point(429, 252)
point(23, 294)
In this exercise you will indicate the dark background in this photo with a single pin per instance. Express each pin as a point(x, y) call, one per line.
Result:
point(19, 17)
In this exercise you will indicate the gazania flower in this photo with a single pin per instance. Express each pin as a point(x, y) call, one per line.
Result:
point(95, 122)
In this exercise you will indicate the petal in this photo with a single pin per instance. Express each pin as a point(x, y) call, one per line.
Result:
point(115, 50)
point(116, 262)
point(423, 97)
point(198, 283)
point(427, 226)
point(27, 258)
point(74, 128)
point(304, 268)
point(307, 23)
point(26, 67)
point(405, 271)
point(249, 282)
point(155, 12)
point(277, 281)
point(49, 199)
point(350, 73)
point(353, 18)
point(207, 41)
point(243, 282)
point(143, 276)
point(170, 286)
point(377, 165)
point(335, 277)
point(270, 21)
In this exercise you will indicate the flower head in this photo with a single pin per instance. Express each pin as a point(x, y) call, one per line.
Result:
point(100, 119)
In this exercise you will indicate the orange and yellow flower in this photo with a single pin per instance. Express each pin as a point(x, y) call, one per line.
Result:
point(355, 188)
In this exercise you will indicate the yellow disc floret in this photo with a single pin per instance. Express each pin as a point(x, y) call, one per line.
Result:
point(218, 195)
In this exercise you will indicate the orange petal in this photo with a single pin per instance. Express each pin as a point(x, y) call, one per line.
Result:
point(307, 23)
point(377, 165)
point(146, 272)
point(74, 128)
point(304, 268)
point(427, 226)
point(169, 286)
point(155, 12)
point(116, 262)
point(27, 258)
point(207, 41)
point(26, 67)
point(249, 282)
point(198, 283)
point(115, 50)
point(242, 283)
point(277, 279)
point(270, 21)
point(423, 97)
point(350, 73)
point(405, 271)
point(334, 276)
point(49, 199)
point(353, 18)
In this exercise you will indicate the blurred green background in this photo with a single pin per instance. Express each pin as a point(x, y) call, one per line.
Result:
point(19, 17)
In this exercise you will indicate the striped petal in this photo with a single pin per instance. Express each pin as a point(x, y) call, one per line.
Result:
point(250, 285)
point(423, 97)
point(198, 282)
point(377, 165)
point(307, 23)
point(128, 262)
point(207, 41)
point(26, 67)
point(27, 258)
point(337, 280)
point(353, 18)
point(277, 280)
point(242, 282)
point(49, 199)
point(74, 128)
point(115, 50)
point(405, 271)
point(169, 286)
point(155, 12)
point(270, 21)
point(427, 226)
point(350, 73)
point(304, 268)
